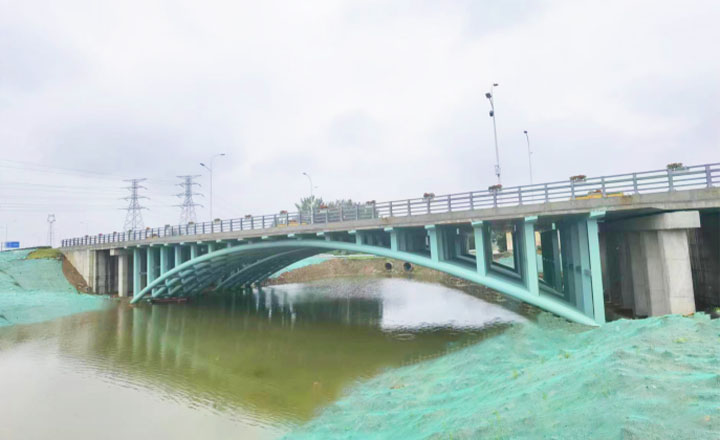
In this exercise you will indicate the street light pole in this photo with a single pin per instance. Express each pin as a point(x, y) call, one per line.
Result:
point(529, 155)
point(490, 98)
point(210, 168)
point(311, 184)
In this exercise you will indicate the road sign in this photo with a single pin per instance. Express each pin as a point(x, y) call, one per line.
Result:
point(12, 244)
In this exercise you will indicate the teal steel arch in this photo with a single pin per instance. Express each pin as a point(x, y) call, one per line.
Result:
point(247, 264)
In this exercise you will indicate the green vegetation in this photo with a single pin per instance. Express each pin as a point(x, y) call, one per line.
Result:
point(44, 253)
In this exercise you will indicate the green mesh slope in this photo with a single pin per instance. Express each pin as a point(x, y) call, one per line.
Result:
point(36, 290)
point(656, 378)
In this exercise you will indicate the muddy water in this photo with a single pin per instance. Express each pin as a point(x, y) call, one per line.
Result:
point(238, 365)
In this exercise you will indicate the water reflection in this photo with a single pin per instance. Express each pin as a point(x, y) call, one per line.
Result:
point(266, 358)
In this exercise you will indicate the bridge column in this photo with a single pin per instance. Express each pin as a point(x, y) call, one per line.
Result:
point(624, 270)
point(529, 253)
point(178, 254)
point(596, 268)
point(435, 243)
point(123, 275)
point(193, 251)
point(660, 262)
point(552, 265)
point(122, 271)
point(482, 241)
point(137, 267)
point(151, 266)
point(394, 239)
point(576, 265)
point(164, 259)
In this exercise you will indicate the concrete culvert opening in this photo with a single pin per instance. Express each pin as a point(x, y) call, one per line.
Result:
point(407, 267)
point(388, 266)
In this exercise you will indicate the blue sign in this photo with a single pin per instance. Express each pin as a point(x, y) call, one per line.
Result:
point(12, 244)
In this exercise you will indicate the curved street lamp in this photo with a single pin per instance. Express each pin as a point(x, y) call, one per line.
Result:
point(311, 184)
point(210, 168)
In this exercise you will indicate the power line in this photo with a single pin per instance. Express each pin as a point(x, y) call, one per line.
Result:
point(187, 209)
point(133, 218)
point(87, 174)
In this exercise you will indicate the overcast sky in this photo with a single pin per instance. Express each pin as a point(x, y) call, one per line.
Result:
point(375, 99)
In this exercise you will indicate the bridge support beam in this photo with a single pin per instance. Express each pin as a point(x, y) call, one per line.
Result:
point(529, 252)
point(481, 234)
point(151, 265)
point(123, 275)
point(164, 259)
point(552, 265)
point(177, 250)
point(596, 268)
point(137, 268)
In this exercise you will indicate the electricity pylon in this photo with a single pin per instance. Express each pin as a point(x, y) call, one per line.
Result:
point(187, 209)
point(133, 218)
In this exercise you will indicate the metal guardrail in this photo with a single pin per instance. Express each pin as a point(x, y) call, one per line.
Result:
point(646, 182)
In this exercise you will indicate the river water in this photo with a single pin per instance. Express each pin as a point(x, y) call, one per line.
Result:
point(239, 365)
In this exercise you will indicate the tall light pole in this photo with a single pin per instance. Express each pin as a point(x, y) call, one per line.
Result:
point(50, 221)
point(210, 168)
point(527, 137)
point(489, 96)
point(311, 184)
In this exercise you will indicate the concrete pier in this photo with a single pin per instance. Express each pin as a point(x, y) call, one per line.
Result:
point(123, 272)
point(658, 279)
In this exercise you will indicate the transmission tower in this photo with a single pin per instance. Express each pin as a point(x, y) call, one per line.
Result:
point(50, 220)
point(133, 218)
point(187, 209)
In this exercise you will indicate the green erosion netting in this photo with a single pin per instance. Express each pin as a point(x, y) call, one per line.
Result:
point(36, 290)
point(656, 378)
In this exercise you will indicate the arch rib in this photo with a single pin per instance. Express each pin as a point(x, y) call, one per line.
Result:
point(505, 286)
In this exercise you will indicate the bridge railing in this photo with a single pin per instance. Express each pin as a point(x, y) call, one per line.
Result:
point(579, 187)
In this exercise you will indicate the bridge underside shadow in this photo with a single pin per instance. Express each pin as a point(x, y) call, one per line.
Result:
point(553, 266)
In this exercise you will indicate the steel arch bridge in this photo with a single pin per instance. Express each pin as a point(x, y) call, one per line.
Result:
point(571, 285)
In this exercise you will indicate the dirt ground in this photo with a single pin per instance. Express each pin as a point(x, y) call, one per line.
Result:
point(74, 277)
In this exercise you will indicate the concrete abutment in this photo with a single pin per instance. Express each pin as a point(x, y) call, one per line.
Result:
point(648, 263)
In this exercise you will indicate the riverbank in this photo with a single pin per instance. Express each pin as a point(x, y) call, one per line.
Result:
point(655, 378)
point(351, 267)
point(35, 288)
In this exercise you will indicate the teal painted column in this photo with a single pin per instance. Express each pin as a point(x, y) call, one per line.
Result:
point(164, 259)
point(137, 270)
point(479, 232)
point(530, 256)
point(193, 251)
point(434, 242)
point(576, 266)
point(394, 239)
point(565, 252)
point(151, 274)
point(211, 247)
point(585, 271)
point(358, 236)
point(598, 298)
point(178, 254)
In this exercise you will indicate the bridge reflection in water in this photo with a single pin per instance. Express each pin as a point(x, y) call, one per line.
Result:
point(278, 354)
